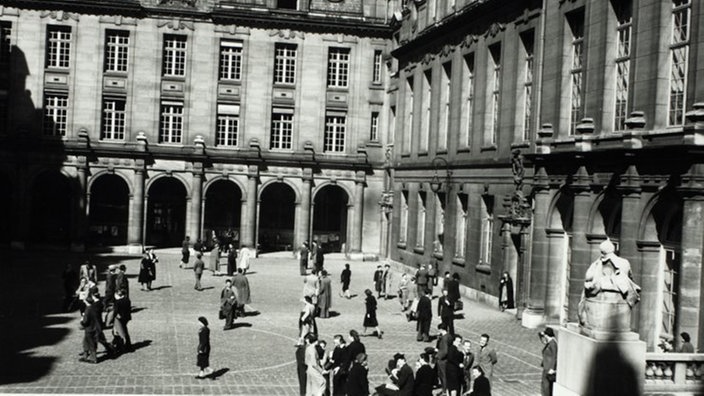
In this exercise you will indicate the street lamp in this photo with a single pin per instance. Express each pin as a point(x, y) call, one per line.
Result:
point(435, 182)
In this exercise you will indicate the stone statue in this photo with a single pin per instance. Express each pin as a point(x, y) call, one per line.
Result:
point(609, 292)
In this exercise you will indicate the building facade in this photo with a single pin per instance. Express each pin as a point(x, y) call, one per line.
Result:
point(526, 133)
point(142, 122)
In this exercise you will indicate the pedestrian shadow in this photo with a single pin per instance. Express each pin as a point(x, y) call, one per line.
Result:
point(241, 324)
point(141, 344)
point(162, 287)
point(218, 373)
point(137, 309)
point(251, 273)
point(353, 296)
point(251, 313)
point(333, 314)
point(207, 288)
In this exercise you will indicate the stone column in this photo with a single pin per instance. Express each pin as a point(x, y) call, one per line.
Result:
point(249, 220)
point(135, 221)
point(581, 258)
point(631, 211)
point(357, 221)
point(536, 282)
point(80, 215)
point(305, 209)
point(193, 230)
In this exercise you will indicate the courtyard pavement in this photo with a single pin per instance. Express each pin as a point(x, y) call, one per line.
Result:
point(39, 344)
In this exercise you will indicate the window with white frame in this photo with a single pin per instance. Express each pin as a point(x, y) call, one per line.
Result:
point(576, 25)
point(487, 229)
point(527, 38)
point(377, 67)
point(174, 57)
point(495, 99)
point(391, 137)
point(624, 15)
point(171, 122)
point(338, 67)
point(439, 237)
point(335, 128)
point(420, 220)
point(113, 127)
point(426, 101)
point(228, 125)
point(445, 84)
point(230, 60)
point(58, 49)
point(461, 226)
point(403, 220)
point(374, 127)
point(407, 130)
point(468, 102)
point(285, 63)
point(679, 60)
point(117, 45)
point(669, 292)
point(5, 45)
point(55, 114)
point(281, 129)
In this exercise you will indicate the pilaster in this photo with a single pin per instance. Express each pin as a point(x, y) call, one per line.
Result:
point(249, 220)
point(357, 221)
point(135, 221)
point(580, 258)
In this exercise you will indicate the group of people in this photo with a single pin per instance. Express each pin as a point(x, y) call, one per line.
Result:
point(237, 259)
point(310, 256)
point(233, 298)
point(147, 270)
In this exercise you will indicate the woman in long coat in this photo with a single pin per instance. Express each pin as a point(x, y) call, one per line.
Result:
point(144, 277)
point(203, 360)
point(506, 292)
point(357, 381)
point(370, 315)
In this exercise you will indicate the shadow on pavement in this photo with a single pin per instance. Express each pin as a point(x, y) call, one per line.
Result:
point(241, 324)
point(161, 287)
point(217, 373)
point(251, 313)
point(141, 344)
point(138, 309)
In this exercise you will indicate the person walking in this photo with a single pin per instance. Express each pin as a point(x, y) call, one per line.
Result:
point(506, 292)
point(214, 266)
point(370, 314)
point(245, 256)
point(144, 277)
point(422, 279)
point(446, 311)
point(378, 280)
point(228, 302)
point(123, 314)
point(303, 253)
point(153, 259)
point(185, 252)
point(91, 327)
point(549, 362)
point(315, 381)
point(388, 281)
point(198, 267)
point(486, 358)
point(324, 295)
point(357, 381)
point(244, 295)
point(231, 259)
point(345, 278)
point(306, 320)
point(424, 316)
point(203, 357)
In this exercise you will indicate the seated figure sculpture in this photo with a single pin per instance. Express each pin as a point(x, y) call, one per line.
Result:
point(609, 292)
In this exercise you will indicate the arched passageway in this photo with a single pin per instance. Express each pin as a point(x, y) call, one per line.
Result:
point(277, 212)
point(166, 213)
point(51, 220)
point(108, 212)
point(330, 218)
point(222, 213)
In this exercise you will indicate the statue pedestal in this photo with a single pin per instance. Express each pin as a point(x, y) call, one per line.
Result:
point(609, 365)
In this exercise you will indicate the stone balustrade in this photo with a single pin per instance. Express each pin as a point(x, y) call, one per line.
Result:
point(674, 372)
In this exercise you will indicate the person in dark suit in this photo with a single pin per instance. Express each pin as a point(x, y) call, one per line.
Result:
point(424, 316)
point(549, 362)
point(453, 368)
point(446, 311)
point(123, 314)
point(301, 368)
point(442, 347)
point(422, 280)
point(203, 359)
point(340, 365)
point(355, 346)
point(231, 260)
point(91, 324)
point(401, 377)
point(468, 363)
point(370, 314)
point(345, 278)
point(185, 252)
point(481, 385)
point(425, 377)
point(453, 287)
point(357, 381)
point(228, 302)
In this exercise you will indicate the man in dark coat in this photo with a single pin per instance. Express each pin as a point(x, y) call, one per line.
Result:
point(91, 324)
point(345, 278)
point(549, 362)
point(443, 347)
point(401, 376)
point(121, 280)
point(425, 377)
point(422, 279)
point(446, 312)
point(424, 315)
point(481, 387)
point(123, 314)
point(231, 260)
point(228, 301)
point(185, 252)
point(340, 365)
point(301, 368)
point(357, 381)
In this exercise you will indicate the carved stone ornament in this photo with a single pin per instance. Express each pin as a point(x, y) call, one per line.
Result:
point(118, 20)
point(8, 11)
point(446, 50)
point(287, 34)
point(469, 40)
point(178, 3)
point(59, 15)
point(427, 58)
point(494, 29)
point(232, 29)
point(176, 24)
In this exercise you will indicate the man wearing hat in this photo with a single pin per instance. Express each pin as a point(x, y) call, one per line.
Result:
point(401, 377)
point(549, 362)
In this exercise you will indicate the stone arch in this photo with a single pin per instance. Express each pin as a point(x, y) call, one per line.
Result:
point(118, 173)
point(277, 216)
point(166, 211)
point(605, 214)
point(153, 179)
point(216, 179)
point(561, 210)
point(294, 187)
point(222, 210)
point(108, 211)
point(661, 220)
point(331, 204)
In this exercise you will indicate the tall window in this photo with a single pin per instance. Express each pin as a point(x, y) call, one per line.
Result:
point(468, 102)
point(55, 114)
point(285, 64)
point(117, 44)
point(576, 23)
point(335, 126)
point(113, 127)
point(527, 40)
point(670, 285)
point(439, 237)
point(403, 221)
point(174, 62)
point(407, 131)
point(230, 60)
point(228, 125)
point(377, 67)
point(425, 117)
point(461, 226)
point(338, 67)
point(171, 125)
point(420, 217)
point(623, 10)
point(281, 129)
point(5, 45)
point(58, 49)
point(495, 67)
point(679, 64)
point(445, 84)
point(487, 229)
point(374, 128)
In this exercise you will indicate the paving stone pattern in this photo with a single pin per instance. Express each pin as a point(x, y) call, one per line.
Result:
point(40, 345)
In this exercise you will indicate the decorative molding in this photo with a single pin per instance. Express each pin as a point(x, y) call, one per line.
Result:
point(59, 15)
point(427, 58)
point(178, 3)
point(494, 29)
point(176, 24)
point(9, 11)
point(118, 20)
point(468, 40)
point(287, 34)
point(527, 16)
point(232, 29)
point(446, 50)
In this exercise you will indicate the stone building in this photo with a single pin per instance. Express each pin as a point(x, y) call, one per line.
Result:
point(527, 132)
point(142, 122)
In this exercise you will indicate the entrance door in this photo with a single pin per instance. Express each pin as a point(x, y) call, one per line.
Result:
point(166, 213)
point(330, 218)
point(108, 213)
point(277, 213)
point(223, 206)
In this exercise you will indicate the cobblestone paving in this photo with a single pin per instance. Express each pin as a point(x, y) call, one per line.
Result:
point(39, 346)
